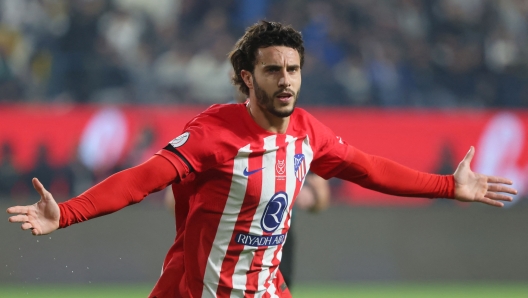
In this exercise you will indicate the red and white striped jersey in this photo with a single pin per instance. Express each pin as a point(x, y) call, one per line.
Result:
point(233, 212)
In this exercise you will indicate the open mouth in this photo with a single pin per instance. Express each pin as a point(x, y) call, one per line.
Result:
point(285, 96)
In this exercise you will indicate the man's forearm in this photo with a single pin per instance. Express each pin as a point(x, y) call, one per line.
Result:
point(383, 175)
point(118, 191)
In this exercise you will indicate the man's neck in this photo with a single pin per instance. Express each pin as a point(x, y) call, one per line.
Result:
point(266, 120)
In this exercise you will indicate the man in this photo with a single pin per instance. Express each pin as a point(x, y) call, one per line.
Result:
point(314, 196)
point(243, 165)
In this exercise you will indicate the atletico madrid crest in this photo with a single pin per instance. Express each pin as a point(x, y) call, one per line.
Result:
point(300, 166)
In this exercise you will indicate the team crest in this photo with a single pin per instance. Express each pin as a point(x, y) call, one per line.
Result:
point(299, 166)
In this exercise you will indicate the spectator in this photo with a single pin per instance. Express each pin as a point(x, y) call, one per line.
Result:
point(9, 175)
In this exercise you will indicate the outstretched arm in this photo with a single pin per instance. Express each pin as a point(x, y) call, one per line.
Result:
point(475, 187)
point(383, 175)
point(114, 193)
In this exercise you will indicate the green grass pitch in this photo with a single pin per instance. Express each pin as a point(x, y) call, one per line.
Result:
point(370, 290)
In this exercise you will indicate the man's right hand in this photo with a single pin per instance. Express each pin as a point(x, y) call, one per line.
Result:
point(42, 217)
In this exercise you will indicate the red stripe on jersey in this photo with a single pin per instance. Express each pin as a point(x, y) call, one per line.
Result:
point(243, 224)
point(178, 271)
point(220, 189)
point(280, 185)
point(276, 261)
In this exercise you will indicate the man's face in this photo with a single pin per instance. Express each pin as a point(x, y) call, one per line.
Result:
point(277, 80)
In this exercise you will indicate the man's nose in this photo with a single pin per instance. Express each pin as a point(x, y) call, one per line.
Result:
point(284, 81)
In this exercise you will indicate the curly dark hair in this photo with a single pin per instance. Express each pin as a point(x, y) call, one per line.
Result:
point(261, 35)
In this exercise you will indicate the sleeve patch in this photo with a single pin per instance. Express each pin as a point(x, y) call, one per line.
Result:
point(180, 140)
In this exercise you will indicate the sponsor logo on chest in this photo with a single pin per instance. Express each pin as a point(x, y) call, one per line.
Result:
point(270, 221)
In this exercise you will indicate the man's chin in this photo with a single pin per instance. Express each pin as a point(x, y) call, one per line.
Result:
point(282, 112)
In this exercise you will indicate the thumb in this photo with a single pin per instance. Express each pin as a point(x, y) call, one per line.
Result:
point(469, 155)
point(39, 188)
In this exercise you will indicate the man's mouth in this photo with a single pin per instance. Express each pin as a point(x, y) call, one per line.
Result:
point(285, 96)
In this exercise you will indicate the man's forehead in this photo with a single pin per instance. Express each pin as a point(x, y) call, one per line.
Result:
point(277, 55)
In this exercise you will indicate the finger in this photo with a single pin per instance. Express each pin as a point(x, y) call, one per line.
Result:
point(26, 226)
point(469, 155)
point(18, 209)
point(502, 188)
point(39, 187)
point(19, 218)
point(499, 197)
point(495, 179)
point(490, 202)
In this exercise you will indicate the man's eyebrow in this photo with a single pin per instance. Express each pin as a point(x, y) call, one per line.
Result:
point(276, 66)
point(272, 66)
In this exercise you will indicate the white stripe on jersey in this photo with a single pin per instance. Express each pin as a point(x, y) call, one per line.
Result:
point(242, 266)
point(271, 291)
point(268, 182)
point(308, 153)
point(226, 225)
point(268, 190)
point(291, 183)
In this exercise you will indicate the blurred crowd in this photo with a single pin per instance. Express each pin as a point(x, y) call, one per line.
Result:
point(389, 53)
point(82, 170)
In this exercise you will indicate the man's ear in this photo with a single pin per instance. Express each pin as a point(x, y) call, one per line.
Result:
point(247, 77)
